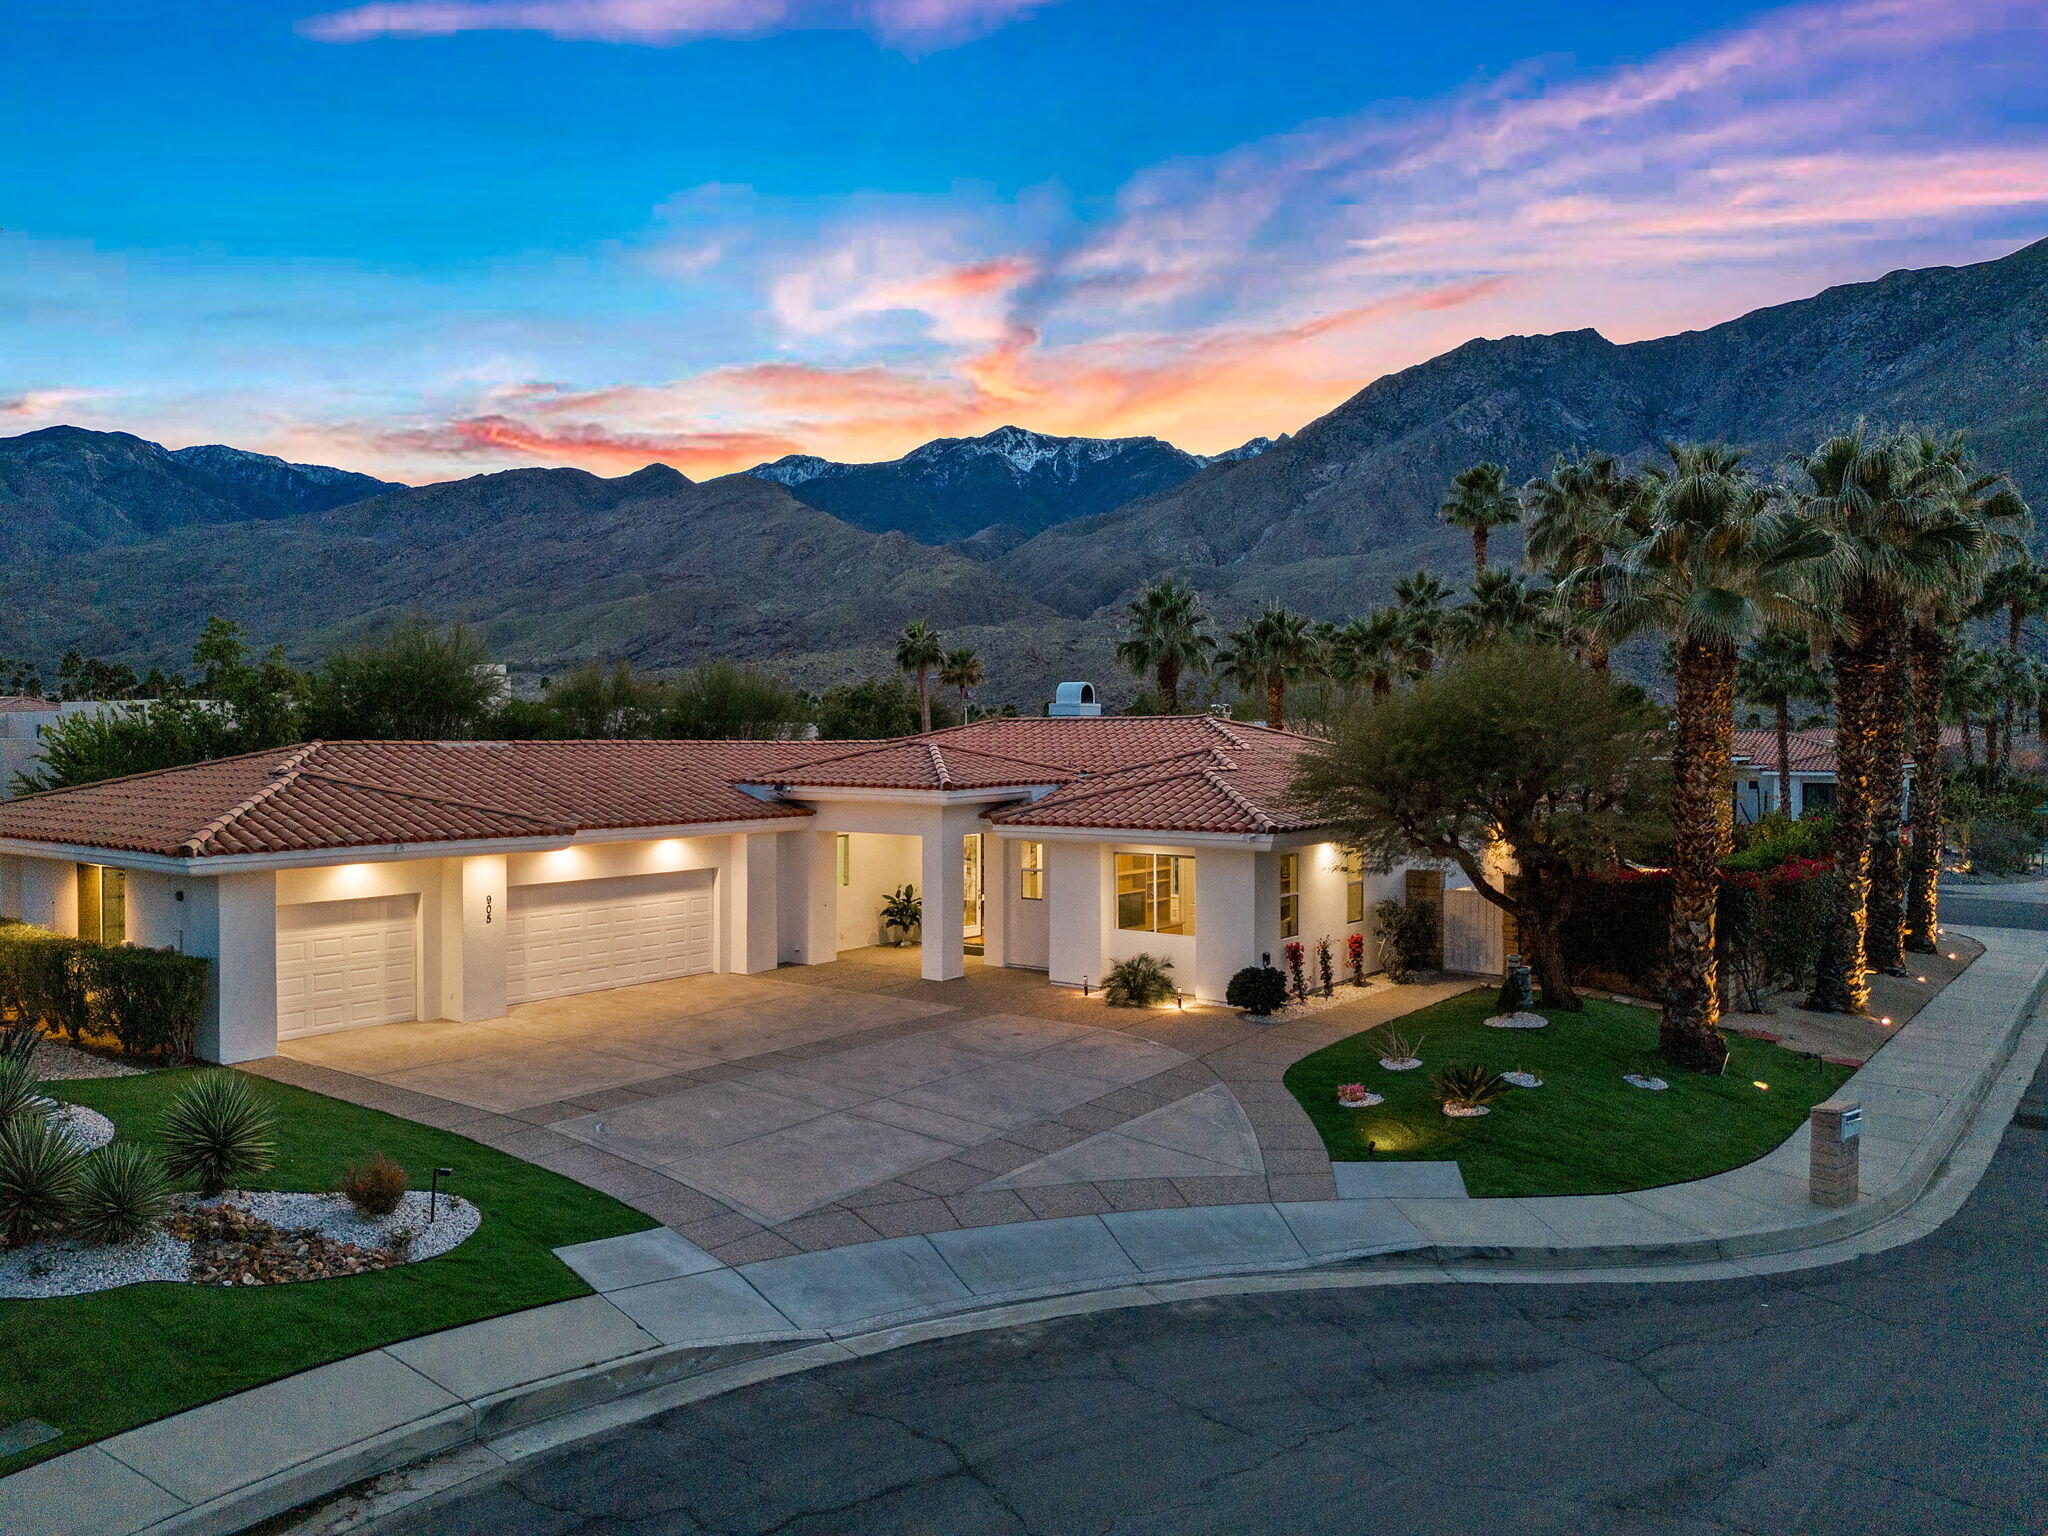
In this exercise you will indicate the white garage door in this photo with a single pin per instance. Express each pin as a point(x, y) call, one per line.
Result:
point(586, 935)
point(346, 964)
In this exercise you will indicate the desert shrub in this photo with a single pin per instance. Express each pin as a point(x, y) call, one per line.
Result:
point(1138, 982)
point(38, 1177)
point(20, 1092)
point(1772, 839)
point(1467, 1083)
point(18, 1039)
point(1389, 1044)
point(122, 1195)
point(1768, 929)
point(2001, 848)
point(374, 1186)
point(217, 1133)
point(1257, 989)
point(147, 999)
point(1410, 933)
point(42, 981)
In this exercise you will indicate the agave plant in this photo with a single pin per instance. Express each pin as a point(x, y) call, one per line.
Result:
point(1466, 1085)
point(217, 1133)
point(122, 1195)
point(38, 1177)
point(20, 1093)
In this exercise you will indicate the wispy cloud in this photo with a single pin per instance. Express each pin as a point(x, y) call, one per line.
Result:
point(41, 404)
point(911, 25)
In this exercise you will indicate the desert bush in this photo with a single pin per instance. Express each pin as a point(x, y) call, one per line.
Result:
point(122, 1195)
point(217, 1133)
point(41, 980)
point(2001, 848)
point(1389, 1044)
point(20, 1092)
point(1138, 982)
point(147, 999)
point(1467, 1084)
point(374, 1186)
point(1410, 932)
point(1257, 989)
point(38, 1177)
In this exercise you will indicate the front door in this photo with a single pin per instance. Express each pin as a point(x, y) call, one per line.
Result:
point(971, 887)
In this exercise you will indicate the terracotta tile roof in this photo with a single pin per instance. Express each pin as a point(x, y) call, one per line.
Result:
point(1812, 751)
point(918, 762)
point(1101, 744)
point(24, 703)
point(1242, 789)
point(354, 794)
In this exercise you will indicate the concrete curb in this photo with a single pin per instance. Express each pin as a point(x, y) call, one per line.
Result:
point(453, 1411)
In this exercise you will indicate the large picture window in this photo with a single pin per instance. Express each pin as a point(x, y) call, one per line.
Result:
point(1290, 895)
point(1031, 871)
point(1155, 893)
point(1354, 887)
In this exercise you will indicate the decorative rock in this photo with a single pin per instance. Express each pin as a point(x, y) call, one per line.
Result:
point(86, 1129)
point(1637, 1080)
point(1467, 1111)
point(1401, 1064)
point(1357, 1096)
point(1522, 1079)
point(1520, 1020)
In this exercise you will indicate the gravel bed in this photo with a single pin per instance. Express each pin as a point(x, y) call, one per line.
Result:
point(67, 1268)
point(86, 1129)
point(54, 1060)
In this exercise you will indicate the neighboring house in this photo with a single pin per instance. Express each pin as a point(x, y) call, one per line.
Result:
point(1813, 774)
point(23, 720)
point(345, 884)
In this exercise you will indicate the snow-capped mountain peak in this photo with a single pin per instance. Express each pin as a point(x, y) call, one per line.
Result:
point(793, 469)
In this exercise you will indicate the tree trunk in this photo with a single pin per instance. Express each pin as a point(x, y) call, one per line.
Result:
point(1884, 939)
point(1784, 757)
point(1841, 984)
point(1169, 686)
point(1969, 742)
point(1479, 551)
point(1276, 704)
point(1931, 647)
point(1596, 604)
point(1381, 688)
point(1701, 813)
point(924, 698)
point(1993, 768)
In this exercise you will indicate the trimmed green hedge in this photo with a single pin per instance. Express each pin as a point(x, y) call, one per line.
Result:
point(148, 1000)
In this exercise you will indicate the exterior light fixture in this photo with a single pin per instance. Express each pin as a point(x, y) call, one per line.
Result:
point(1754, 1084)
point(1086, 990)
point(434, 1191)
point(1921, 979)
point(1884, 1021)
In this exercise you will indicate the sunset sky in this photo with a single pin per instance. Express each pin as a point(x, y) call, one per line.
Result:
point(428, 238)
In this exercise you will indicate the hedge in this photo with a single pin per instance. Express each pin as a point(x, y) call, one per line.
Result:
point(147, 1000)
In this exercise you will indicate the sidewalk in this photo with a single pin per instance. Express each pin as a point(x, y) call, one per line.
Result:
point(670, 1323)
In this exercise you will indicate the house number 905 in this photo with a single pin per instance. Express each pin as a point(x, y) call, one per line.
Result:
point(487, 910)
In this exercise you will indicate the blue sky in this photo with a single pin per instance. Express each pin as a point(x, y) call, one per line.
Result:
point(429, 237)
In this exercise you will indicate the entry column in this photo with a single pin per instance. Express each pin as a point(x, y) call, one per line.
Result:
point(945, 892)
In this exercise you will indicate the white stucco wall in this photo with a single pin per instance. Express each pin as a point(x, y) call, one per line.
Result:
point(879, 863)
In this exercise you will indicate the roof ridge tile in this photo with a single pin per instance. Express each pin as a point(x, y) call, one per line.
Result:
point(281, 778)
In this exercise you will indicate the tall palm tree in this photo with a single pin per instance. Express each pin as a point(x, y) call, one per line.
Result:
point(1777, 672)
point(1714, 565)
point(1500, 603)
point(919, 650)
point(1578, 512)
point(1421, 597)
point(1966, 693)
point(1268, 653)
point(1165, 638)
point(1479, 502)
point(1377, 652)
point(2019, 591)
point(962, 671)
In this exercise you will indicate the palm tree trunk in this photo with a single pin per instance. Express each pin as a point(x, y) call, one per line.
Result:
point(1784, 756)
point(1969, 741)
point(1992, 766)
point(1276, 703)
point(1884, 939)
point(924, 698)
point(1702, 813)
point(1841, 984)
point(1596, 604)
point(1169, 685)
point(1479, 551)
point(1931, 646)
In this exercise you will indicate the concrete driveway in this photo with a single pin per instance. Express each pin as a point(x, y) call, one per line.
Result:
point(817, 1106)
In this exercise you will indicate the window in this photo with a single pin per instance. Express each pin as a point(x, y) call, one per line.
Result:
point(102, 904)
point(1290, 895)
point(1031, 871)
point(1155, 893)
point(1354, 887)
point(845, 852)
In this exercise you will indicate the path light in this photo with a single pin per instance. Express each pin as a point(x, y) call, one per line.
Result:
point(1755, 1084)
point(434, 1191)
point(1884, 1021)
point(1921, 979)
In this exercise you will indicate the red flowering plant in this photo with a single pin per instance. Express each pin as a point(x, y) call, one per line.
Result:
point(1354, 956)
point(1296, 976)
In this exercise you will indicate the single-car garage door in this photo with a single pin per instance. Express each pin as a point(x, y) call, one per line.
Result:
point(346, 964)
point(587, 935)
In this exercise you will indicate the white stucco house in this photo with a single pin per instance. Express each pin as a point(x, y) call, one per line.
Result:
point(339, 885)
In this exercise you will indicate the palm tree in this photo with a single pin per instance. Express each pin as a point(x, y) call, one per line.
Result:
point(1776, 673)
point(1164, 637)
point(1377, 652)
point(962, 671)
point(1578, 512)
point(1966, 692)
point(919, 650)
point(1421, 597)
point(1480, 501)
point(2019, 590)
point(1715, 564)
point(1500, 604)
point(1266, 654)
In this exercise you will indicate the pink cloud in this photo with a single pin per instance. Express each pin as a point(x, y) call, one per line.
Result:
point(911, 25)
point(42, 402)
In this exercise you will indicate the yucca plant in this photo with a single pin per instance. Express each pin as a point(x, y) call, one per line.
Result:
point(122, 1195)
point(20, 1092)
point(1466, 1085)
point(38, 1177)
point(217, 1133)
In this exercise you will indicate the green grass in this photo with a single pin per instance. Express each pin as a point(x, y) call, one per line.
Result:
point(94, 1365)
point(1585, 1131)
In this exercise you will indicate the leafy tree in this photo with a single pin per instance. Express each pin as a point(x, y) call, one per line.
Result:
point(1516, 742)
point(963, 673)
point(599, 702)
point(919, 650)
point(1479, 502)
point(264, 697)
point(870, 710)
point(725, 700)
point(1165, 638)
point(1777, 672)
point(415, 682)
point(1266, 654)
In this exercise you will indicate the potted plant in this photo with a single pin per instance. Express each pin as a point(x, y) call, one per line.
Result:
point(903, 911)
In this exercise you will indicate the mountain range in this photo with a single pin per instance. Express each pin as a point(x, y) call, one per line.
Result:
point(1019, 543)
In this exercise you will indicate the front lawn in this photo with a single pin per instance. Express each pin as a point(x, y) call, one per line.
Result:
point(1585, 1131)
point(94, 1365)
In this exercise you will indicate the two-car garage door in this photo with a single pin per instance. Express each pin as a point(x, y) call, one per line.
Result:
point(586, 935)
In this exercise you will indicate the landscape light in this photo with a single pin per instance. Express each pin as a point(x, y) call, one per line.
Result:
point(434, 1191)
point(1759, 1085)
point(1884, 1021)
point(1920, 979)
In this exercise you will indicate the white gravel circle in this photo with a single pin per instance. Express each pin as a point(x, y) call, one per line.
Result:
point(86, 1129)
point(66, 1267)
